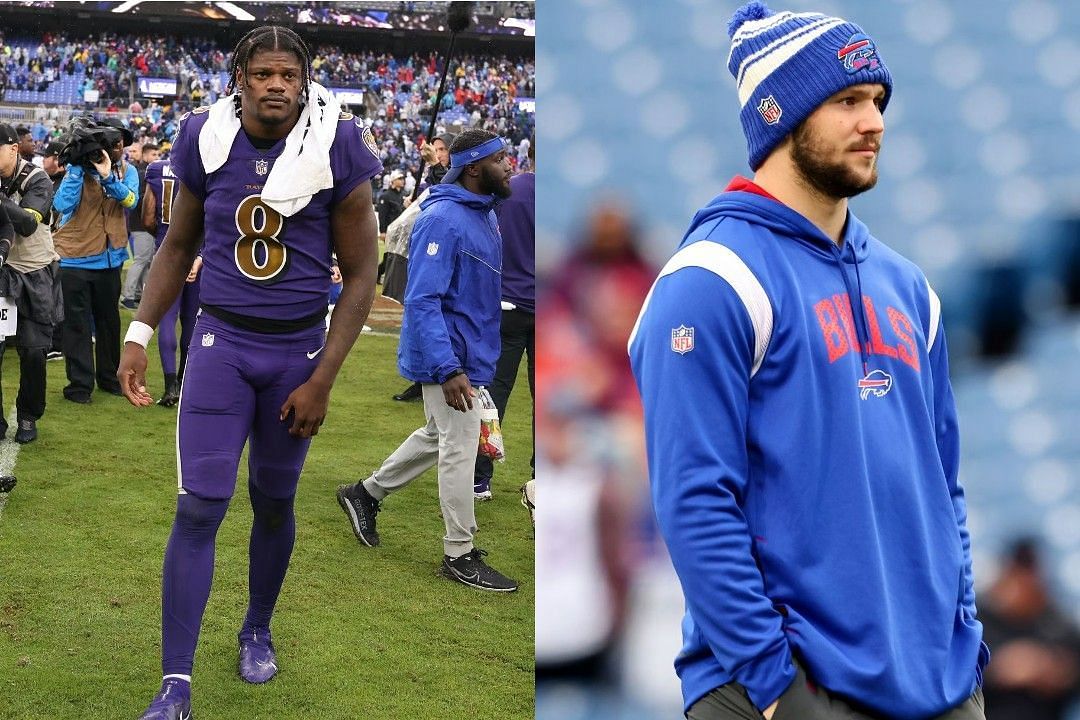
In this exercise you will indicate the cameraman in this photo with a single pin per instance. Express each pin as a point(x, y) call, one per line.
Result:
point(92, 241)
point(29, 277)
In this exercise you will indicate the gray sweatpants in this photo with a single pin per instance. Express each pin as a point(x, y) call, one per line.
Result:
point(449, 439)
point(805, 701)
point(143, 248)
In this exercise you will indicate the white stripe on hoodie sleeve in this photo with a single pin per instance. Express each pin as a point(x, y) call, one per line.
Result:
point(696, 410)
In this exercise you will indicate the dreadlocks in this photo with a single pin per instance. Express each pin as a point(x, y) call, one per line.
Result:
point(269, 37)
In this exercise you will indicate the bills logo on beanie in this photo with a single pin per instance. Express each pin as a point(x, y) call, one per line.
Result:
point(786, 64)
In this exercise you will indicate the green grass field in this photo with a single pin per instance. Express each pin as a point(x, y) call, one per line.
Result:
point(360, 632)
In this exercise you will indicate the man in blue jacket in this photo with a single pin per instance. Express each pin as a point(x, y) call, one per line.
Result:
point(801, 429)
point(92, 244)
point(449, 344)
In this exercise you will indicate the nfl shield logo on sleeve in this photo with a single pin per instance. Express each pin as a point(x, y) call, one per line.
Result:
point(432, 248)
point(682, 339)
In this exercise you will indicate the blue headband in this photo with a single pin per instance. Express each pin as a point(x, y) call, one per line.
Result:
point(459, 160)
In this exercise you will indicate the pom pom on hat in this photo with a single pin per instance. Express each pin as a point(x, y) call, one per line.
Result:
point(753, 10)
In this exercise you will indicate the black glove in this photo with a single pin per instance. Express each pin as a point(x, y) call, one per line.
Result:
point(5, 248)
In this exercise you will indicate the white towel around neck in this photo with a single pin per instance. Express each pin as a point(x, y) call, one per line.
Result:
point(303, 168)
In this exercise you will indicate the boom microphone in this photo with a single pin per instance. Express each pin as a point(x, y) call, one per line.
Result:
point(458, 17)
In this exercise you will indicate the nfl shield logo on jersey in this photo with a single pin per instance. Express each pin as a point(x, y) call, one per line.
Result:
point(432, 248)
point(770, 110)
point(208, 339)
point(682, 339)
point(262, 167)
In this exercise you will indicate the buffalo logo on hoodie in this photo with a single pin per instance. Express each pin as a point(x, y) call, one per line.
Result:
point(877, 383)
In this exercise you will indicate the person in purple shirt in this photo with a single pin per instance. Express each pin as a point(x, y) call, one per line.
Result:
point(517, 225)
point(160, 194)
point(276, 177)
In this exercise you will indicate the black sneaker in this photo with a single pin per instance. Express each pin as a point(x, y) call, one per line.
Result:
point(7, 483)
point(27, 432)
point(78, 396)
point(54, 355)
point(470, 569)
point(171, 396)
point(361, 508)
point(413, 392)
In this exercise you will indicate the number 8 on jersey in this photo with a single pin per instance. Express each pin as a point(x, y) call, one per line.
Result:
point(258, 254)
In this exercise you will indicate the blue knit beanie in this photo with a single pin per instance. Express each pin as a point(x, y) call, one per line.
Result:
point(786, 64)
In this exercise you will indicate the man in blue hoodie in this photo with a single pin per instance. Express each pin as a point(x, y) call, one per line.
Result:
point(449, 344)
point(801, 427)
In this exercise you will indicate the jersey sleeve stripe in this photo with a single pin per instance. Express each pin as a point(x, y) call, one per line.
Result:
point(723, 262)
point(935, 317)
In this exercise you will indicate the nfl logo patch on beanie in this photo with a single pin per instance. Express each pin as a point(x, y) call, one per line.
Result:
point(786, 64)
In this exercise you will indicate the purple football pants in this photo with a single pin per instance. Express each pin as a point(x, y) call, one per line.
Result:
point(235, 385)
point(183, 308)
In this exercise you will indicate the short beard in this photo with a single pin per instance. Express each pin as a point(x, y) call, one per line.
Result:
point(834, 180)
point(491, 182)
point(270, 121)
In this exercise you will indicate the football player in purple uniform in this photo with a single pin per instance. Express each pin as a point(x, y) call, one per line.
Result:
point(277, 179)
point(158, 198)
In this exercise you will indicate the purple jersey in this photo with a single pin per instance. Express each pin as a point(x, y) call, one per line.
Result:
point(161, 181)
point(257, 262)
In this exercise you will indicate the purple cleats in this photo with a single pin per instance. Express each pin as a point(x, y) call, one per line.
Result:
point(173, 702)
point(258, 663)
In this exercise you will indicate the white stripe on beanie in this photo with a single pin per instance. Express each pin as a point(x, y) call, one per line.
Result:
point(790, 33)
point(757, 68)
point(753, 28)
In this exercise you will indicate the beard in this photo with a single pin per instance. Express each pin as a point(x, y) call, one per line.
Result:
point(832, 179)
point(493, 182)
point(272, 120)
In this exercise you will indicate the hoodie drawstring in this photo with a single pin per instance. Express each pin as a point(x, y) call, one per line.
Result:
point(864, 336)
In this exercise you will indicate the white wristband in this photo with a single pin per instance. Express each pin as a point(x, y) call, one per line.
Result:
point(139, 332)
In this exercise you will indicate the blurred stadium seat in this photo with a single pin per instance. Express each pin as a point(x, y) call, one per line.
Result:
point(980, 185)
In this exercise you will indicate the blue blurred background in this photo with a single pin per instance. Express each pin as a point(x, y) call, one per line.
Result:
point(979, 185)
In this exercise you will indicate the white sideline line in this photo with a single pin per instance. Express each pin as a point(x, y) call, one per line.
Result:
point(9, 450)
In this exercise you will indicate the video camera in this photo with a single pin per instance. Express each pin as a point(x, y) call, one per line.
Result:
point(89, 138)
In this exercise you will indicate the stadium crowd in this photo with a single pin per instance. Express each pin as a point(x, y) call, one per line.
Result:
point(398, 90)
point(487, 17)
